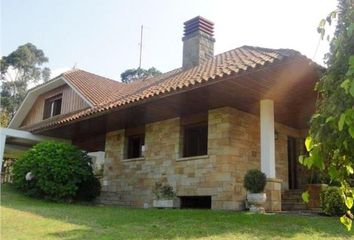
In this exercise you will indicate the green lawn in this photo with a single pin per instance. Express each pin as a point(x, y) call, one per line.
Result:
point(25, 218)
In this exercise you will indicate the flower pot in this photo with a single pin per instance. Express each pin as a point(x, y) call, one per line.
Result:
point(256, 201)
point(314, 191)
point(256, 198)
point(166, 203)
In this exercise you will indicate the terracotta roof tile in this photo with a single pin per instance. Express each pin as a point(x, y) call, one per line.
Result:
point(106, 94)
point(95, 88)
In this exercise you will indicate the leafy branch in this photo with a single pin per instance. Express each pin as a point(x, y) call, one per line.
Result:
point(330, 142)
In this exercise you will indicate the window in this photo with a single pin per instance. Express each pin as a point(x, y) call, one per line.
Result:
point(134, 142)
point(195, 140)
point(135, 146)
point(52, 106)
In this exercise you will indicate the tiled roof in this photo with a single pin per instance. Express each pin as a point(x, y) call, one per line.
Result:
point(94, 88)
point(107, 94)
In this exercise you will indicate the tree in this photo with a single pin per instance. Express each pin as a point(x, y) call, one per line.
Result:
point(133, 74)
point(17, 70)
point(330, 142)
point(4, 119)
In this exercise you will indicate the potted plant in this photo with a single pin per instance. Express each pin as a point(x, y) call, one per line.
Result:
point(255, 182)
point(165, 196)
point(316, 184)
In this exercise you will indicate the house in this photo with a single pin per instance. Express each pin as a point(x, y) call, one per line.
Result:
point(199, 127)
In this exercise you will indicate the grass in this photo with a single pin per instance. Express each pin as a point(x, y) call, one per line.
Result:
point(25, 218)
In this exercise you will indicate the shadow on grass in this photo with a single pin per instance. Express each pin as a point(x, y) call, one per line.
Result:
point(131, 223)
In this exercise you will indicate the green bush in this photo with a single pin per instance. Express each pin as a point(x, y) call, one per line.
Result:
point(59, 172)
point(88, 190)
point(255, 181)
point(332, 202)
point(163, 191)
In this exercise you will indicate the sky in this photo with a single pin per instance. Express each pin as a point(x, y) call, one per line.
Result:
point(102, 36)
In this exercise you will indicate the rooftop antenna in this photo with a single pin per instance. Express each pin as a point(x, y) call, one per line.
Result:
point(141, 44)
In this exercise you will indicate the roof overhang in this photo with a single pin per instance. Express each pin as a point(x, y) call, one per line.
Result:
point(290, 85)
point(33, 94)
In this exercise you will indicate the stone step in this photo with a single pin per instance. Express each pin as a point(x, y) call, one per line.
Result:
point(294, 204)
point(292, 200)
point(296, 192)
point(292, 207)
point(291, 196)
point(300, 200)
point(293, 193)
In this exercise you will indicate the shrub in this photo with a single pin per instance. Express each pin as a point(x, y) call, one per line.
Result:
point(88, 190)
point(59, 172)
point(255, 181)
point(332, 202)
point(163, 191)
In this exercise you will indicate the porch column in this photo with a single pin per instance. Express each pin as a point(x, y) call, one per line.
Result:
point(273, 186)
point(267, 138)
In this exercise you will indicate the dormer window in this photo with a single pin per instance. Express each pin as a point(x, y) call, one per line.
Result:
point(52, 106)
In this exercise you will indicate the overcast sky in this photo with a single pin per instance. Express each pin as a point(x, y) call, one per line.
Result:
point(103, 36)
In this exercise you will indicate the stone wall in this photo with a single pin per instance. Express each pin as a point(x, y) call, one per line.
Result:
point(198, 47)
point(233, 148)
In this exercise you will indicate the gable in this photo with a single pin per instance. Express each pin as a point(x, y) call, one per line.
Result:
point(28, 104)
point(71, 102)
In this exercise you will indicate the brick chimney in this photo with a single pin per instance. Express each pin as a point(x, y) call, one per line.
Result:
point(198, 42)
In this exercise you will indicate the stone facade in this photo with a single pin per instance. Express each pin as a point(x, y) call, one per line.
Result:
point(233, 149)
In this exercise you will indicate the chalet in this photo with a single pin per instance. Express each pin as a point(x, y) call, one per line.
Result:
point(199, 127)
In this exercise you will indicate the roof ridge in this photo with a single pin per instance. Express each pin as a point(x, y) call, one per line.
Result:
point(144, 87)
point(271, 49)
point(102, 77)
point(71, 70)
point(151, 77)
point(193, 69)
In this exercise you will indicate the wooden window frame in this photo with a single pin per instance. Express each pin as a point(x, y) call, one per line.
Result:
point(132, 135)
point(50, 106)
point(190, 124)
point(195, 140)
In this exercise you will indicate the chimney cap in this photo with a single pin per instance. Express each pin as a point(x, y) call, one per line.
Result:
point(199, 24)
